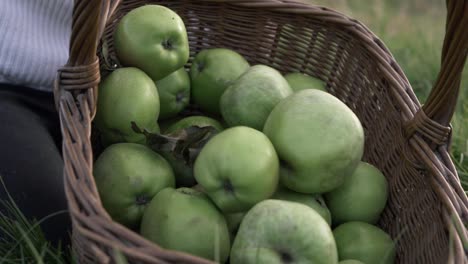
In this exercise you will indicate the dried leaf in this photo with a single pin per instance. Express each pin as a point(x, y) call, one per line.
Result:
point(183, 145)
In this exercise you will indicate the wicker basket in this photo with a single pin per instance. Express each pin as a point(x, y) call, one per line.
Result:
point(427, 211)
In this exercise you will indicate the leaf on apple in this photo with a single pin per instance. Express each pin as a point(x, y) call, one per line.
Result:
point(110, 61)
point(184, 144)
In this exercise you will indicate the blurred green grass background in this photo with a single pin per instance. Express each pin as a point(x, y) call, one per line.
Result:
point(414, 31)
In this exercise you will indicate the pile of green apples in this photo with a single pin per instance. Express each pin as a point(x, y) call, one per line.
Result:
point(281, 181)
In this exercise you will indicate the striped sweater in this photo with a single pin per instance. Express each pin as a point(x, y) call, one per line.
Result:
point(34, 40)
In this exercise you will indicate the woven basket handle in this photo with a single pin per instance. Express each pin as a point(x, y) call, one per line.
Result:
point(81, 73)
point(441, 103)
point(89, 20)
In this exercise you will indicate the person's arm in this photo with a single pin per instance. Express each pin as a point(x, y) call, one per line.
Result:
point(34, 40)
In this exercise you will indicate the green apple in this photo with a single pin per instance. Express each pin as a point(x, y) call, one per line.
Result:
point(298, 81)
point(364, 242)
point(108, 138)
point(201, 121)
point(182, 171)
point(276, 231)
point(127, 177)
point(237, 168)
point(350, 261)
point(319, 141)
point(186, 220)
point(211, 73)
point(362, 196)
point(126, 95)
point(152, 38)
point(250, 98)
point(174, 93)
point(314, 201)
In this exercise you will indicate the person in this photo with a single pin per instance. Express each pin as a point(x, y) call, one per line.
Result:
point(34, 43)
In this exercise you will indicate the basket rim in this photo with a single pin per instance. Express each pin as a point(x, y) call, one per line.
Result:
point(403, 94)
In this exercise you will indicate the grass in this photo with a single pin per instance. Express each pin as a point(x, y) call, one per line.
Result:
point(22, 240)
point(412, 30)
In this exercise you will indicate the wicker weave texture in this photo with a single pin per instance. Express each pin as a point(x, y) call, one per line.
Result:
point(427, 208)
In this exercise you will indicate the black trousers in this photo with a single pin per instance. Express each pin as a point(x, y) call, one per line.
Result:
point(30, 159)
